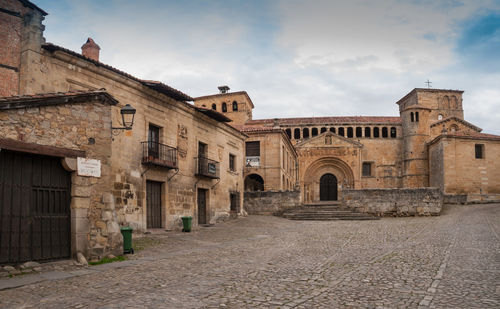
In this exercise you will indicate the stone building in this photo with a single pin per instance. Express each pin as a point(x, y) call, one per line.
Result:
point(72, 171)
point(428, 145)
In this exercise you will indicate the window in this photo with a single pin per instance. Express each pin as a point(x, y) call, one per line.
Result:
point(323, 130)
point(296, 133)
point(341, 131)
point(214, 107)
point(305, 133)
point(440, 117)
point(332, 129)
point(232, 162)
point(479, 151)
point(234, 198)
point(367, 169)
point(235, 106)
point(376, 132)
point(412, 117)
point(153, 141)
point(202, 150)
point(224, 107)
point(416, 116)
point(350, 133)
point(367, 132)
point(359, 132)
point(384, 132)
point(289, 133)
point(314, 131)
point(393, 132)
point(252, 149)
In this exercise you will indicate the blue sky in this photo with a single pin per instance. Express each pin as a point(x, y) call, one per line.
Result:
point(299, 58)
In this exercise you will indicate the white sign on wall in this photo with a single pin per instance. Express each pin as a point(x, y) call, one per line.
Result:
point(88, 167)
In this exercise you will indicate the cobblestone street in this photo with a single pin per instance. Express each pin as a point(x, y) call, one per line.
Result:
point(450, 261)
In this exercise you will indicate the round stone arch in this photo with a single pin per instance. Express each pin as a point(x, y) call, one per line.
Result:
point(320, 167)
point(254, 182)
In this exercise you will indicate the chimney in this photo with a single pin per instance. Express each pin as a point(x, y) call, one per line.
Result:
point(91, 50)
point(223, 89)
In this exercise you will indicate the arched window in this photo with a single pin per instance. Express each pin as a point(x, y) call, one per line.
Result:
point(367, 132)
point(359, 132)
point(235, 106)
point(341, 131)
point(384, 132)
point(214, 107)
point(446, 102)
point(289, 133)
point(350, 133)
point(416, 116)
point(393, 132)
point(314, 131)
point(224, 107)
point(305, 133)
point(454, 102)
point(323, 130)
point(440, 117)
point(296, 133)
point(412, 117)
point(332, 129)
point(376, 132)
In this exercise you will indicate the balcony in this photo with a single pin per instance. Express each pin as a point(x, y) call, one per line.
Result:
point(154, 153)
point(208, 168)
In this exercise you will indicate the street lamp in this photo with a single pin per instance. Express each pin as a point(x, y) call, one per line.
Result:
point(128, 114)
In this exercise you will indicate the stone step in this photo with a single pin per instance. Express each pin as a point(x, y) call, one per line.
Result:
point(333, 218)
point(325, 211)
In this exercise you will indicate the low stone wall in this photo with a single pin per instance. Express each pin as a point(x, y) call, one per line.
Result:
point(483, 198)
point(398, 202)
point(270, 202)
point(455, 199)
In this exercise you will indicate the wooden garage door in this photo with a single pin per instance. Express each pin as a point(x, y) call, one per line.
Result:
point(34, 208)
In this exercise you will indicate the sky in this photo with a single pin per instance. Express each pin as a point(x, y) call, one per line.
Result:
point(298, 58)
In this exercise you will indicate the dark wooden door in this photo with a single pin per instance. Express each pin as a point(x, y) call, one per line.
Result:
point(34, 208)
point(153, 141)
point(153, 202)
point(328, 188)
point(202, 206)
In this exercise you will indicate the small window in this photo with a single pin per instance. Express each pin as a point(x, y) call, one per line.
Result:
point(350, 132)
point(367, 169)
point(416, 116)
point(393, 132)
point(232, 162)
point(440, 117)
point(341, 131)
point(289, 133)
point(367, 132)
point(479, 151)
point(332, 129)
point(252, 149)
point(224, 107)
point(384, 132)
point(296, 133)
point(323, 130)
point(214, 107)
point(359, 132)
point(305, 133)
point(412, 117)
point(235, 106)
point(376, 132)
point(314, 131)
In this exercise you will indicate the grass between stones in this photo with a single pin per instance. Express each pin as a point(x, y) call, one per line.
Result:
point(108, 260)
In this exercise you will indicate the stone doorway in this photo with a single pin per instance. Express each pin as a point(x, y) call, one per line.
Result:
point(202, 206)
point(328, 187)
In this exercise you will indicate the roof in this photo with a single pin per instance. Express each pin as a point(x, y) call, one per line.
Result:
point(327, 120)
point(415, 90)
point(35, 100)
point(467, 135)
point(257, 129)
point(33, 6)
point(158, 86)
point(466, 123)
point(226, 94)
point(213, 114)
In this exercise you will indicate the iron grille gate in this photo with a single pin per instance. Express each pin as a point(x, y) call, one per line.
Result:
point(34, 208)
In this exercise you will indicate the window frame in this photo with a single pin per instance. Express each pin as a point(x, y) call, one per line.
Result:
point(479, 154)
point(371, 171)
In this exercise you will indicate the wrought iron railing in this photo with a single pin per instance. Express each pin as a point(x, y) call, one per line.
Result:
point(158, 154)
point(208, 168)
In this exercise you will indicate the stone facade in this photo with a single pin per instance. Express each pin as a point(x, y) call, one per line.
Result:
point(270, 202)
point(397, 202)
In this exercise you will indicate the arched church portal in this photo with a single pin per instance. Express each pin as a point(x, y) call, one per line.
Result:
point(328, 187)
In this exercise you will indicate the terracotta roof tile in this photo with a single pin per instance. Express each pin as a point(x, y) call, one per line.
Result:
point(328, 120)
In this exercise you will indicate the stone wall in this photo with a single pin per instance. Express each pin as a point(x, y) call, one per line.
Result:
point(270, 202)
point(399, 202)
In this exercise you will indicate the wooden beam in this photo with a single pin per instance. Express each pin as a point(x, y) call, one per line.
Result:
point(45, 150)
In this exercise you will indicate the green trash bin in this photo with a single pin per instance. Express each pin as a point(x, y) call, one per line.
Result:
point(186, 224)
point(127, 239)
